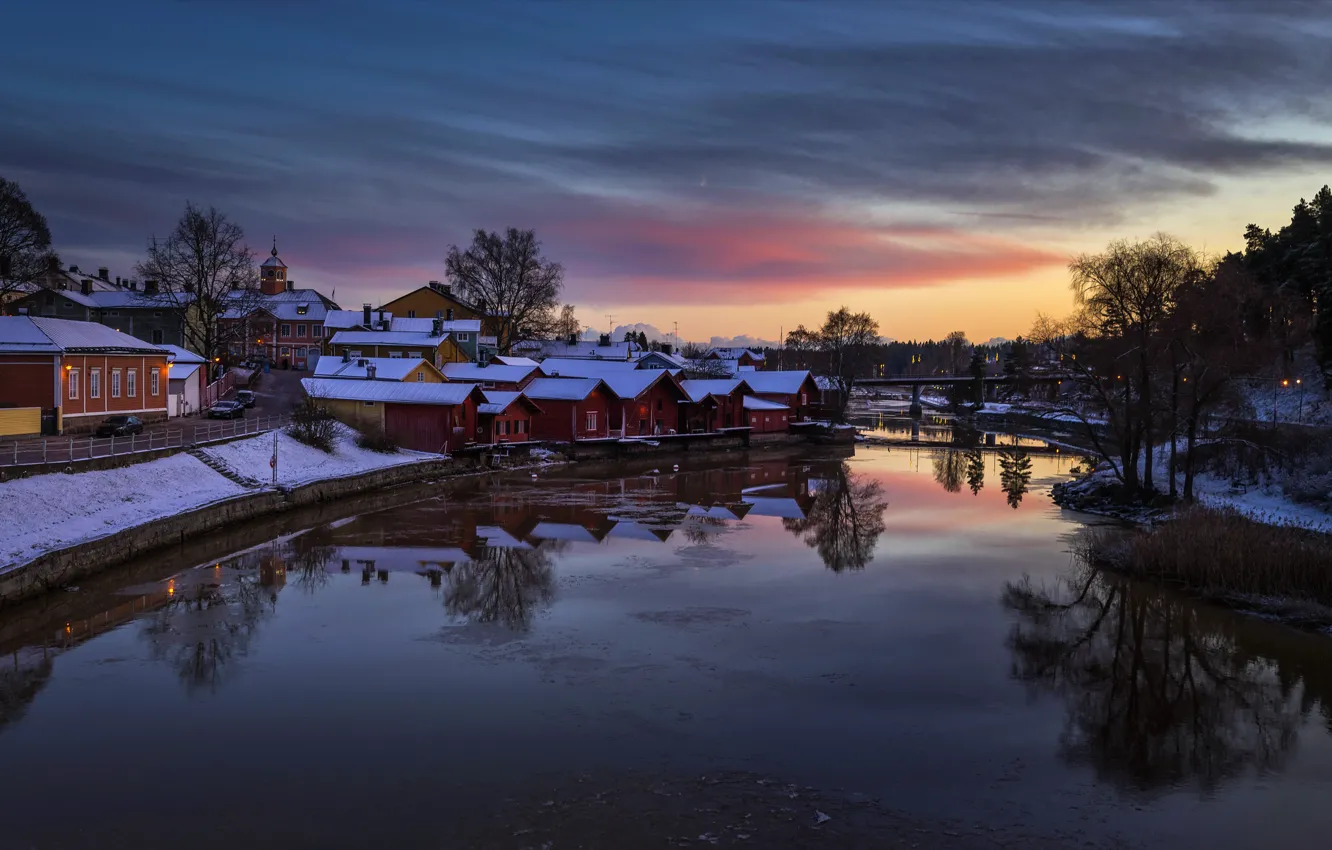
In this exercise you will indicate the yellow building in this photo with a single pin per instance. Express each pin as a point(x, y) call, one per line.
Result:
point(434, 301)
point(409, 345)
point(369, 415)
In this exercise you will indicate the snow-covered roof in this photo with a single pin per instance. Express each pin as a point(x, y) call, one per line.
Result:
point(632, 530)
point(180, 370)
point(569, 367)
point(498, 401)
point(498, 538)
point(777, 382)
point(284, 305)
point(562, 389)
point(40, 334)
point(632, 384)
point(386, 368)
point(734, 353)
point(697, 390)
point(510, 360)
point(181, 355)
point(486, 374)
point(753, 403)
point(290, 311)
point(411, 325)
point(129, 299)
point(668, 360)
point(583, 349)
point(387, 338)
point(399, 392)
point(562, 531)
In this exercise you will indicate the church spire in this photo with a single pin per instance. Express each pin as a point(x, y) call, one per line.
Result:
point(274, 251)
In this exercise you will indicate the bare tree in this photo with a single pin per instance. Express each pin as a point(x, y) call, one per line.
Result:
point(25, 241)
point(847, 339)
point(802, 342)
point(208, 273)
point(958, 345)
point(510, 282)
point(567, 324)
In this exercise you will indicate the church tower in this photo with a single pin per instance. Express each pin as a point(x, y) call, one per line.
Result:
point(273, 273)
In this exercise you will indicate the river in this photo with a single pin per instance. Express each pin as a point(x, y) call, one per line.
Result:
point(905, 625)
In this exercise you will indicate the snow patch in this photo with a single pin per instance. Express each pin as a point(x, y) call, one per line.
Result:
point(298, 463)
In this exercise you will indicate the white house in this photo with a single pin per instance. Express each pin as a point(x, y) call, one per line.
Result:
point(187, 375)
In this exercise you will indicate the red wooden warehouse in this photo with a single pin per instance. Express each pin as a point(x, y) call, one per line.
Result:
point(571, 408)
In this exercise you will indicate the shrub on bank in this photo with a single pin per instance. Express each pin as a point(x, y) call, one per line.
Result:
point(313, 424)
point(377, 440)
point(1221, 552)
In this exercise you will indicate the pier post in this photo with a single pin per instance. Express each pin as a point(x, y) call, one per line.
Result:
point(915, 409)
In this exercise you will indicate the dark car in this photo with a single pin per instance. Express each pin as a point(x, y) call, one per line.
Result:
point(226, 410)
point(245, 397)
point(120, 426)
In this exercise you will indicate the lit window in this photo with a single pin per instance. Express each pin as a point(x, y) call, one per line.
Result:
point(74, 383)
point(302, 309)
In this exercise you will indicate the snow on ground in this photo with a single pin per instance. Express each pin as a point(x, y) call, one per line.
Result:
point(51, 511)
point(1267, 504)
point(301, 464)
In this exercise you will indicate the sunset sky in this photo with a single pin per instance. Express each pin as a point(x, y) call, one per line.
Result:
point(735, 167)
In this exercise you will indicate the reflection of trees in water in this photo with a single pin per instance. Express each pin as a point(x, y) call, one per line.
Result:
point(1014, 474)
point(975, 471)
point(950, 468)
point(506, 586)
point(21, 678)
point(308, 556)
point(1156, 688)
point(700, 530)
point(202, 629)
point(844, 521)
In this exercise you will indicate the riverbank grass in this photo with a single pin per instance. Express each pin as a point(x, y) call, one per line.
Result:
point(1222, 553)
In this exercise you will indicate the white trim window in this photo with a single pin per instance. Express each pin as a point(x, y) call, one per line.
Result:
point(132, 383)
point(154, 381)
point(284, 330)
point(115, 383)
point(73, 384)
point(591, 420)
point(463, 337)
point(94, 383)
point(317, 331)
point(420, 377)
point(300, 330)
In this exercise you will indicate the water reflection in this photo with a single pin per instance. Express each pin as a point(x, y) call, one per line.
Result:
point(950, 468)
point(504, 585)
point(975, 471)
point(1014, 475)
point(844, 521)
point(1158, 690)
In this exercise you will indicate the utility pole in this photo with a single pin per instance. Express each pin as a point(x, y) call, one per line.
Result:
point(675, 332)
point(781, 347)
point(610, 325)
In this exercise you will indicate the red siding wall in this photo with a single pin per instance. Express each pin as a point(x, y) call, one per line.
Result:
point(488, 429)
point(658, 406)
point(431, 427)
point(769, 421)
point(799, 410)
point(85, 411)
point(27, 380)
point(567, 420)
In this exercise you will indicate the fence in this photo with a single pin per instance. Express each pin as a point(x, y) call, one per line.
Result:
point(69, 450)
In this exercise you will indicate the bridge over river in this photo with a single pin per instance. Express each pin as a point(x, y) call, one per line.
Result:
point(991, 383)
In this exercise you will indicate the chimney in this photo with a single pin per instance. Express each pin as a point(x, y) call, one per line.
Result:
point(370, 371)
point(447, 289)
point(150, 287)
point(361, 362)
point(104, 273)
point(437, 327)
point(382, 323)
point(605, 340)
point(346, 356)
point(86, 286)
point(291, 284)
point(132, 284)
point(118, 281)
point(73, 269)
point(437, 286)
point(450, 314)
point(665, 348)
point(365, 315)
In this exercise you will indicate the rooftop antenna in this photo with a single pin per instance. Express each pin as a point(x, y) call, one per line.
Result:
point(610, 325)
point(675, 332)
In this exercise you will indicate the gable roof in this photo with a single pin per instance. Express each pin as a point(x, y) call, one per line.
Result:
point(754, 403)
point(563, 389)
point(697, 390)
point(342, 319)
point(633, 384)
point(734, 353)
point(582, 350)
point(498, 401)
point(787, 383)
point(510, 360)
point(669, 361)
point(572, 367)
point(39, 334)
point(481, 374)
point(398, 392)
point(180, 355)
point(386, 368)
point(387, 338)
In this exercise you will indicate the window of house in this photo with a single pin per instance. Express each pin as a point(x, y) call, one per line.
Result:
point(318, 331)
point(302, 309)
point(448, 314)
point(158, 339)
point(520, 427)
point(113, 312)
point(154, 381)
point(300, 330)
point(420, 377)
point(67, 303)
point(415, 355)
point(94, 383)
point(411, 314)
point(157, 314)
point(73, 383)
point(463, 337)
point(285, 351)
point(354, 353)
point(284, 330)
point(115, 383)
point(802, 398)
point(591, 420)
point(369, 404)
point(502, 428)
point(395, 355)
point(132, 383)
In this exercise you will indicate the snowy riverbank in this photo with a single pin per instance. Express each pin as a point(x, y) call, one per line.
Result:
point(299, 464)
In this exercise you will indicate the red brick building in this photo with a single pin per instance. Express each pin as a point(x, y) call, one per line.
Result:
point(571, 408)
point(78, 373)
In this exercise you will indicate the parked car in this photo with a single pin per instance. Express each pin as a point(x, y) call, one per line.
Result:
point(226, 410)
point(245, 397)
point(120, 426)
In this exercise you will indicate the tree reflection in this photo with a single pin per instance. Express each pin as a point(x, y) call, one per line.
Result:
point(22, 676)
point(1156, 688)
point(975, 471)
point(506, 586)
point(844, 521)
point(204, 628)
point(1014, 475)
point(949, 469)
